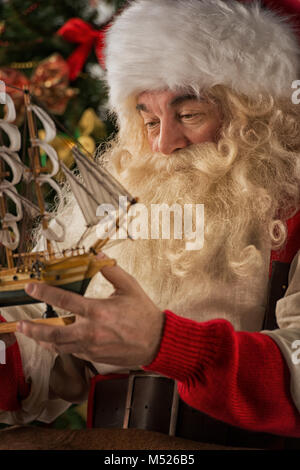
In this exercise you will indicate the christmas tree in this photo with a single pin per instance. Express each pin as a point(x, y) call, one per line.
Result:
point(31, 32)
point(56, 49)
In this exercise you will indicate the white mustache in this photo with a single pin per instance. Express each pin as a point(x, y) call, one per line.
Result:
point(184, 159)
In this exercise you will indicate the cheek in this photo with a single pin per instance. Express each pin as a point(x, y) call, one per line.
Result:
point(208, 132)
point(153, 142)
point(149, 140)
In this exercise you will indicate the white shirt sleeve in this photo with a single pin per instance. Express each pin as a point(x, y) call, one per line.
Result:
point(287, 337)
point(288, 307)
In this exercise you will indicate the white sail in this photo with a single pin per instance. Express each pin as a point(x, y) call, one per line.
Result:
point(45, 179)
point(32, 209)
point(13, 161)
point(50, 133)
point(52, 154)
point(91, 182)
point(94, 189)
point(100, 180)
point(49, 233)
point(53, 235)
point(10, 238)
point(48, 124)
point(87, 202)
point(10, 114)
point(11, 193)
point(13, 134)
point(9, 234)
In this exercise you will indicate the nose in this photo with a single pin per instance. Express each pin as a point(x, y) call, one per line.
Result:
point(171, 138)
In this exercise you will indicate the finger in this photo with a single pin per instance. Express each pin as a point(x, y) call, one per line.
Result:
point(119, 278)
point(57, 297)
point(49, 334)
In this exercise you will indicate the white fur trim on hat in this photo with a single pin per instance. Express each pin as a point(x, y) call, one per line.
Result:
point(197, 44)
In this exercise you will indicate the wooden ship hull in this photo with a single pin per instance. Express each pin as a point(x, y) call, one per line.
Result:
point(72, 273)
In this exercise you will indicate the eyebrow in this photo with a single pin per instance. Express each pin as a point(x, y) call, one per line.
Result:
point(142, 107)
point(175, 102)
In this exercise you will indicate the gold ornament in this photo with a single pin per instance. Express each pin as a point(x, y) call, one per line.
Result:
point(87, 143)
point(90, 124)
point(23, 65)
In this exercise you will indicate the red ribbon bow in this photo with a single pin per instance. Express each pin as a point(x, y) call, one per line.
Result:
point(78, 31)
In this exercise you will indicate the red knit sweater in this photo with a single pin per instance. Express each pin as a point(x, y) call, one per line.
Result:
point(13, 386)
point(236, 377)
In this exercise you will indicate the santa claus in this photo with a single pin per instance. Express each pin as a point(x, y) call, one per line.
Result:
point(202, 91)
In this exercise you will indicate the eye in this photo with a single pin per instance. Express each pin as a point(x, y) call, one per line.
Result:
point(190, 116)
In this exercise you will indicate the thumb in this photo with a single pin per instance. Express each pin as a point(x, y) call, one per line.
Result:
point(119, 278)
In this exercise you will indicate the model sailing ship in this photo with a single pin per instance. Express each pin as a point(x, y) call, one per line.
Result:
point(70, 269)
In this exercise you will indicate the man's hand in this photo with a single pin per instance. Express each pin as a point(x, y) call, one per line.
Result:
point(124, 329)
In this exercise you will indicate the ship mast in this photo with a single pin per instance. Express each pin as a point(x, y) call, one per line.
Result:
point(35, 166)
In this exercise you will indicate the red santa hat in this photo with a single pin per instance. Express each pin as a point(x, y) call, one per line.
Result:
point(196, 44)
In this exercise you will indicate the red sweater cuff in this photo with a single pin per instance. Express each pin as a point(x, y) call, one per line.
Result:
point(186, 347)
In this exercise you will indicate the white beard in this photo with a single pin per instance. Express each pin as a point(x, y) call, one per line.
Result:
point(174, 278)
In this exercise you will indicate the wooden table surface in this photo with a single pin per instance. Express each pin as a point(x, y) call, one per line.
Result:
point(39, 438)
